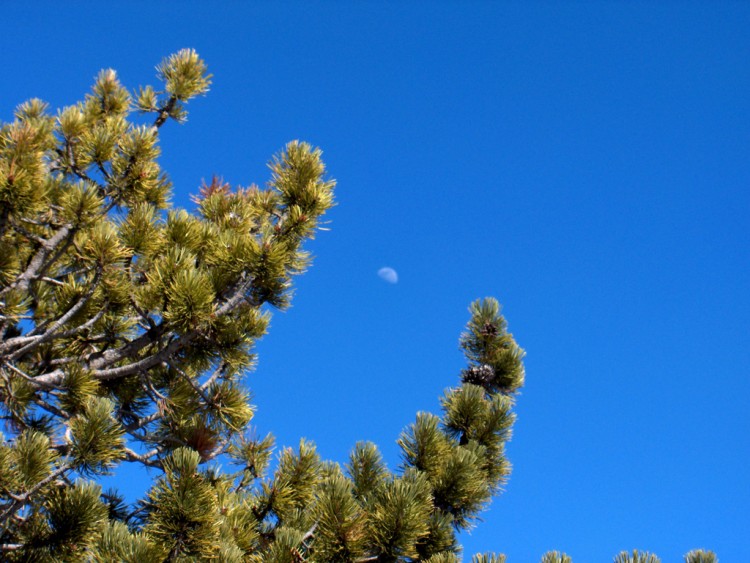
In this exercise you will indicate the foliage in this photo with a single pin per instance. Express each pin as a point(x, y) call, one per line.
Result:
point(701, 556)
point(126, 327)
point(636, 557)
point(556, 557)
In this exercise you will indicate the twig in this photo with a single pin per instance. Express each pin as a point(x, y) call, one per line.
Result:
point(29, 235)
point(32, 270)
point(20, 499)
point(51, 408)
point(145, 459)
point(164, 112)
point(214, 376)
point(27, 377)
point(185, 376)
point(61, 321)
point(142, 421)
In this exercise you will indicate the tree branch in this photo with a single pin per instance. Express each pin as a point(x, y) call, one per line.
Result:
point(33, 380)
point(32, 271)
point(146, 459)
point(145, 363)
point(214, 376)
point(50, 332)
point(20, 499)
point(164, 111)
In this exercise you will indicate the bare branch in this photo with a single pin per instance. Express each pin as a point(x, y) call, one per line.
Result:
point(88, 324)
point(60, 322)
point(142, 421)
point(29, 235)
point(32, 222)
point(131, 348)
point(33, 380)
point(236, 296)
point(218, 450)
point(164, 111)
point(34, 268)
point(150, 389)
point(145, 363)
point(52, 281)
point(48, 380)
point(214, 376)
point(146, 459)
point(51, 408)
point(20, 499)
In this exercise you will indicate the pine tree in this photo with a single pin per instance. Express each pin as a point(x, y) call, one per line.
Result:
point(636, 557)
point(701, 556)
point(556, 557)
point(126, 326)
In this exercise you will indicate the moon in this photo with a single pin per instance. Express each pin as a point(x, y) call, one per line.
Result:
point(388, 274)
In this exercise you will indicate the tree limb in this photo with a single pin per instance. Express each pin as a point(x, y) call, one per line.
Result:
point(50, 332)
point(32, 271)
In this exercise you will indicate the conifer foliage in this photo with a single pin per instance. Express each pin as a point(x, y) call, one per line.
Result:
point(126, 326)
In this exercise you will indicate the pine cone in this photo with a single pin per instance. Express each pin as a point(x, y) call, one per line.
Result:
point(482, 374)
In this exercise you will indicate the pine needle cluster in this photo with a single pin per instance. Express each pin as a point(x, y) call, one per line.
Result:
point(127, 325)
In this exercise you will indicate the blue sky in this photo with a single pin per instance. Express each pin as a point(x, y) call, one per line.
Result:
point(586, 163)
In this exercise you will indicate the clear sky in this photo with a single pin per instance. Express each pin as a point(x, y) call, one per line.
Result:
point(586, 163)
